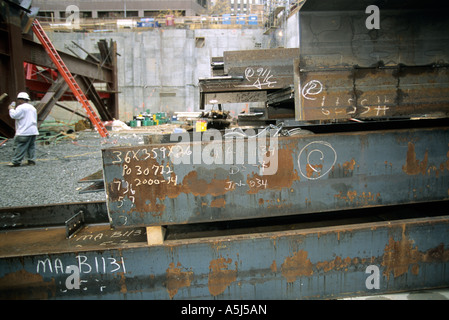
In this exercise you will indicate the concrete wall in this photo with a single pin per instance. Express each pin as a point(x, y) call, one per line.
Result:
point(159, 69)
point(292, 31)
point(287, 34)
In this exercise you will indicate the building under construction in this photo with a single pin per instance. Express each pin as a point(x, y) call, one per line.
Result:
point(336, 186)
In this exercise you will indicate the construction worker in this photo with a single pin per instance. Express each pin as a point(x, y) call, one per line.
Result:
point(26, 129)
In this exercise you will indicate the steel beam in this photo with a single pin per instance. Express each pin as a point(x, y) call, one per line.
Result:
point(93, 95)
point(335, 34)
point(249, 75)
point(349, 69)
point(112, 87)
point(34, 53)
point(51, 215)
point(11, 64)
point(252, 70)
point(314, 263)
point(238, 179)
point(51, 97)
point(261, 69)
point(368, 93)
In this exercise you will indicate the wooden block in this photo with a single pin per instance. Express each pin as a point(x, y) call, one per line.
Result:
point(155, 235)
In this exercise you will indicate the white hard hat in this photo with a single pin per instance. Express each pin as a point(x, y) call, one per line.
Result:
point(23, 95)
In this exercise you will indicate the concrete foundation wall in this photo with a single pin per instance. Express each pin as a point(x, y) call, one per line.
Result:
point(159, 69)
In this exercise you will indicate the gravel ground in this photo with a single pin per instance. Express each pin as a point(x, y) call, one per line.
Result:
point(59, 167)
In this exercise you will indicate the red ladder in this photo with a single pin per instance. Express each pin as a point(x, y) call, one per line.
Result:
point(68, 77)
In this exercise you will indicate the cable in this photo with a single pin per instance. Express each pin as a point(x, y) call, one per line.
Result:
point(242, 134)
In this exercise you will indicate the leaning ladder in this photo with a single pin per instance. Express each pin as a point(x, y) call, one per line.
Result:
point(68, 77)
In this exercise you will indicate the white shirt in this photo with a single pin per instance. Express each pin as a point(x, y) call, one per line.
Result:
point(26, 120)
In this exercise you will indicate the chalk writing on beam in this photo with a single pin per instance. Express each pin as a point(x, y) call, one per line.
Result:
point(155, 167)
point(311, 89)
point(96, 264)
point(316, 159)
point(86, 270)
point(258, 78)
point(335, 106)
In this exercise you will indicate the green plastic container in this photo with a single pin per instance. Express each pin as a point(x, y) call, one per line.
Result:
point(160, 115)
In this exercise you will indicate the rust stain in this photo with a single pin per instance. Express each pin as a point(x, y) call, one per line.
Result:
point(349, 165)
point(352, 195)
point(399, 255)
point(274, 267)
point(444, 165)
point(365, 198)
point(284, 176)
point(346, 169)
point(123, 288)
point(402, 255)
point(337, 264)
point(276, 203)
point(25, 285)
point(191, 184)
point(218, 203)
point(412, 165)
point(313, 169)
point(199, 187)
point(297, 265)
point(220, 276)
point(176, 279)
point(151, 197)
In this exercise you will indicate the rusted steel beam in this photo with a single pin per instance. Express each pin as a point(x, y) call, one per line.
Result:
point(87, 85)
point(248, 75)
point(34, 53)
point(261, 69)
point(11, 64)
point(349, 69)
point(367, 93)
point(51, 97)
point(335, 34)
point(51, 215)
point(253, 70)
point(243, 178)
point(315, 263)
point(235, 97)
point(112, 87)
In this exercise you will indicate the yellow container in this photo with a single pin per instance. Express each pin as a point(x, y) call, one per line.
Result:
point(201, 125)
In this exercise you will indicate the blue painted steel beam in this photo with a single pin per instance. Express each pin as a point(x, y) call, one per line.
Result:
point(317, 263)
point(314, 173)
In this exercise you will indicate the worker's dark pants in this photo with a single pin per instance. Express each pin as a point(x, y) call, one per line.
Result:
point(24, 145)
